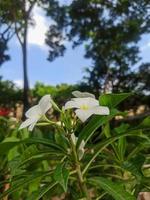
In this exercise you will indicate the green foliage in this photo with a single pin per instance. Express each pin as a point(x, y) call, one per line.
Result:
point(59, 92)
point(41, 165)
point(112, 100)
point(61, 175)
point(3, 49)
point(10, 94)
point(114, 189)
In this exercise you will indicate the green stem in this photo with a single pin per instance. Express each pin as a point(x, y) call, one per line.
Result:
point(49, 122)
point(79, 172)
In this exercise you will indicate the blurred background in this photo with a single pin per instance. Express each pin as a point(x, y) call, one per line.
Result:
point(57, 46)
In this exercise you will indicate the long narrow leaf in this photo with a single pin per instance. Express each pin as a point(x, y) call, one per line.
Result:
point(44, 190)
point(22, 182)
point(114, 189)
point(112, 100)
point(108, 141)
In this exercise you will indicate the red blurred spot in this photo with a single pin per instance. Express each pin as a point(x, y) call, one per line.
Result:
point(4, 111)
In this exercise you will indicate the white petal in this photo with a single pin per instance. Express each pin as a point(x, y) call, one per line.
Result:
point(32, 126)
point(83, 115)
point(26, 123)
point(81, 150)
point(88, 101)
point(100, 110)
point(74, 138)
point(92, 102)
point(45, 103)
point(82, 145)
point(79, 94)
point(71, 104)
point(34, 112)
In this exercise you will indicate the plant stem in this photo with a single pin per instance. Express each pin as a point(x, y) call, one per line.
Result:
point(82, 183)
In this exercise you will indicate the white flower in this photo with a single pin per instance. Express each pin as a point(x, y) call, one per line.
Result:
point(79, 94)
point(86, 107)
point(81, 150)
point(35, 113)
point(74, 138)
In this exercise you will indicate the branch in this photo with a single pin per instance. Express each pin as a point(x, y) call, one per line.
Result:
point(136, 117)
point(6, 30)
point(18, 36)
point(31, 7)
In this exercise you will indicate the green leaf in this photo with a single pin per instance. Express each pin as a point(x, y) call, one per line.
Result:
point(93, 125)
point(122, 144)
point(40, 156)
point(122, 128)
point(112, 100)
point(14, 166)
point(22, 181)
point(138, 148)
point(61, 140)
point(102, 145)
point(44, 142)
point(145, 123)
point(8, 144)
point(61, 175)
point(135, 166)
point(114, 189)
point(43, 190)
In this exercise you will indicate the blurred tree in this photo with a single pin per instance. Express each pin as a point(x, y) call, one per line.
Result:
point(5, 36)
point(10, 94)
point(3, 48)
point(59, 92)
point(110, 31)
point(16, 17)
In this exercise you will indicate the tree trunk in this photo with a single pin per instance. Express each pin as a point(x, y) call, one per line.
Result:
point(25, 74)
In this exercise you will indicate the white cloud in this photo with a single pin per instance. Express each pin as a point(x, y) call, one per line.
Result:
point(144, 47)
point(19, 83)
point(36, 34)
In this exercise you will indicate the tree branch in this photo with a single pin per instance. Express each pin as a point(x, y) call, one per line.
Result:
point(136, 117)
point(17, 34)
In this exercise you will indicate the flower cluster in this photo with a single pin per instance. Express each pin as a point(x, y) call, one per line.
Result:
point(84, 103)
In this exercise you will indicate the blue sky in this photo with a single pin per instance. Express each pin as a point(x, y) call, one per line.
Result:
point(67, 69)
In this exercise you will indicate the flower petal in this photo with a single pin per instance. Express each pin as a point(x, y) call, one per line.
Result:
point(83, 115)
point(74, 138)
point(45, 103)
point(26, 123)
point(71, 104)
point(82, 145)
point(79, 94)
point(100, 110)
point(32, 125)
point(88, 101)
point(34, 112)
point(81, 150)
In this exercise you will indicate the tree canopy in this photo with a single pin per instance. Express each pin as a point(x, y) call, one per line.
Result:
point(110, 31)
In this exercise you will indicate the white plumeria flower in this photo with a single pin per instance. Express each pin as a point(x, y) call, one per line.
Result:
point(79, 94)
point(86, 107)
point(35, 113)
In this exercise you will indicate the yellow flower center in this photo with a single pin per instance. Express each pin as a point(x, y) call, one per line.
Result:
point(84, 107)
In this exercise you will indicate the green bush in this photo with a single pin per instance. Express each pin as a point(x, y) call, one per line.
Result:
point(94, 159)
